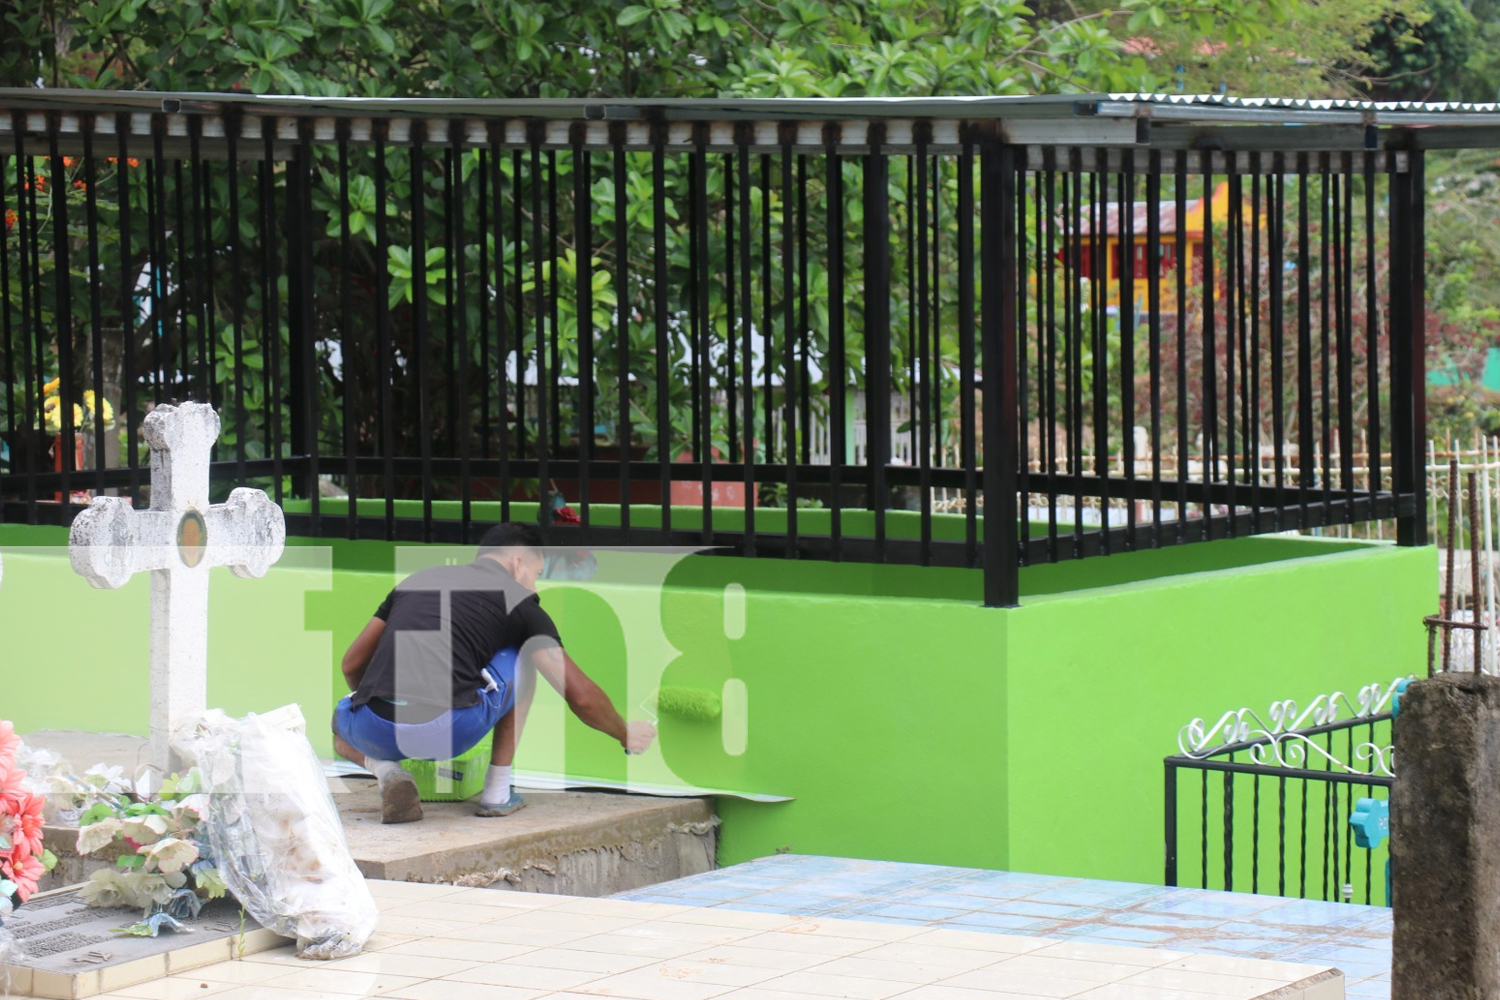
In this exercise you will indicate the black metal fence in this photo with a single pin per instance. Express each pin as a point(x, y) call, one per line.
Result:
point(446, 313)
point(1272, 814)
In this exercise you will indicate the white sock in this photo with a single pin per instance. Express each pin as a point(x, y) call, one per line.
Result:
point(382, 769)
point(496, 786)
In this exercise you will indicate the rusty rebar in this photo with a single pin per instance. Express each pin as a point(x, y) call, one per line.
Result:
point(1474, 568)
point(1453, 502)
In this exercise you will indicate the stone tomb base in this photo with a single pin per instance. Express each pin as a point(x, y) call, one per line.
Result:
point(573, 843)
point(71, 951)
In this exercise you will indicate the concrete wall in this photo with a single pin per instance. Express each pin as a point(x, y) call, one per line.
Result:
point(904, 720)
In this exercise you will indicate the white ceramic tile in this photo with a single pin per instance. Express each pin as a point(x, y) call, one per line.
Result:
point(718, 917)
point(955, 959)
point(389, 963)
point(1088, 951)
point(756, 993)
point(896, 972)
point(448, 989)
point(1122, 991)
point(622, 944)
point(552, 920)
point(384, 889)
point(421, 926)
point(238, 973)
point(719, 973)
point(511, 932)
point(468, 952)
point(383, 941)
point(1232, 965)
point(1209, 983)
point(841, 987)
point(940, 992)
point(1003, 944)
point(621, 908)
point(994, 979)
point(179, 988)
point(756, 958)
point(813, 944)
point(1093, 973)
point(449, 909)
point(643, 986)
point(526, 977)
point(581, 961)
point(324, 980)
point(871, 930)
point(688, 933)
point(274, 993)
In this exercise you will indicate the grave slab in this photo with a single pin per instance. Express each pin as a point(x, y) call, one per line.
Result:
point(575, 842)
point(72, 951)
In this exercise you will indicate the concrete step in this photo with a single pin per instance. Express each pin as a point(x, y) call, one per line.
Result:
point(577, 843)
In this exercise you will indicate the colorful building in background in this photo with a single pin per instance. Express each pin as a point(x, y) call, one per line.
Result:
point(1181, 240)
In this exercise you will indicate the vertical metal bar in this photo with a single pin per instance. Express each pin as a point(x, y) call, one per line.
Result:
point(539, 306)
point(1169, 825)
point(459, 303)
point(804, 330)
point(1075, 334)
point(233, 127)
point(922, 390)
point(1234, 331)
point(270, 297)
point(767, 313)
point(622, 318)
point(421, 349)
point(96, 303)
point(660, 278)
point(202, 201)
point(747, 323)
point(1407, 346)
point(583, 245)
point(7, 321)
point(1372, 335)
point(877, 267)
point(554, 336)
point(503, 382)
point(349, 350)
point(487, 232)
point(1211, 451)
point(385, 350)
point(1126, 187)
point(1281, 836)
point(1342, 210)
point(29, 243)
point(968, 445)
point(1183, 251)
point(1153, 333)
point(304, 338)
point(731, 311)
point(703, 313)
point(1327, 295)
point(1047, 269)
point(185, 268)
point(1275, 242)
point(1229, 816)
point(63, 318)
point(838, 366)
point(129, 314)
point(1255, 833)
point(1306, 443)
point(449, 247)
point(791, 388)
point(1099, 334)
point(1253, 358)
point(998, 351)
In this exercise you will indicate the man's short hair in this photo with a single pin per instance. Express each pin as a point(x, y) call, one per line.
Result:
point(511, 534)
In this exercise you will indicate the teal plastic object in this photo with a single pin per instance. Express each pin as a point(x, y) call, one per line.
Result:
point(1371, 820)
point(1401, 687)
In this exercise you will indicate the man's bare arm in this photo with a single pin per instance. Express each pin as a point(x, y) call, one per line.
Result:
point(589, 702)
point(357, 657)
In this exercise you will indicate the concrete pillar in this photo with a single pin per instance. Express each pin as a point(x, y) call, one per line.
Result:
point(1445, 840)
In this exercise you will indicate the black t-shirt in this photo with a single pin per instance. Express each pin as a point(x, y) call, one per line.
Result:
point(442, 626)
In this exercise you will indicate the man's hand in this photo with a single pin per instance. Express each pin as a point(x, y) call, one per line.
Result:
point(638, 737)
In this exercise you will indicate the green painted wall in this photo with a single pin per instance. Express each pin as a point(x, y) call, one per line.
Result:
point(906, 721)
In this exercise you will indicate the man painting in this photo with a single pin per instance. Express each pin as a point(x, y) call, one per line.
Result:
point(452, 654)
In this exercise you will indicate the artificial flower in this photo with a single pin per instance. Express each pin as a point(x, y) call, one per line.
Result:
point(97, 835)
point(9, 744)
point(172, 854)
point(24, 872)
point(26, 831)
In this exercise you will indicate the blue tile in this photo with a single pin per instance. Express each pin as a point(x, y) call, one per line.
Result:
point(942, 900)
point(1051, 910)
point(1368, 989)
point(1111, 934)
point(984, 920)
point(926, 914)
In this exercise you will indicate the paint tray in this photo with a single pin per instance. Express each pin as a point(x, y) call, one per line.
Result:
point(451, 780)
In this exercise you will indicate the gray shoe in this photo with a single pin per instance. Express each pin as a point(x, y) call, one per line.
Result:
point(399, 802)
point(505, 808)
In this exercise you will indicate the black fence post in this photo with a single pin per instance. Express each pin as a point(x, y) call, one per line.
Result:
point(1409, 373)
point(997, 341)
point(1170, 816)
point(877, 265)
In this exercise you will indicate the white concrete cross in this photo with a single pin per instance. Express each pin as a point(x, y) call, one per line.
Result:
point(177, 539)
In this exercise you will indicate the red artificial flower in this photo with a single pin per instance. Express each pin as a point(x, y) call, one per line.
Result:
point(25, 873)
point(26, 837)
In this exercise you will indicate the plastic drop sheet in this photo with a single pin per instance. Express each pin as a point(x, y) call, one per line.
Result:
point(274, 831)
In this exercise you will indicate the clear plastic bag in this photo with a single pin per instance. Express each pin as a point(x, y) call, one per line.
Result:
point(10, 954)
point(275, 833)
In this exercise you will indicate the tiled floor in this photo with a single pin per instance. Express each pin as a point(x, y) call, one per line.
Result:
point(444, 943)
point(1356, 939)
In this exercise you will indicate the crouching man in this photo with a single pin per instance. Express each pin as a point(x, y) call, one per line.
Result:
point(453, 654)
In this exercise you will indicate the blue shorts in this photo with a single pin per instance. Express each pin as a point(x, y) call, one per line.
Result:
point(443, 738)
